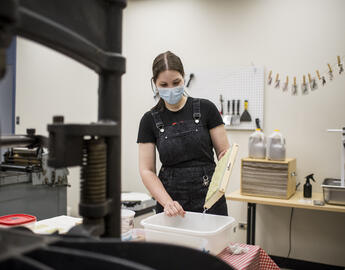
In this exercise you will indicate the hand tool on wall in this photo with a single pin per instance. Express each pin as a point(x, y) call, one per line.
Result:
point(257, 123)
point(191, 77)
point(186, 89)
point(221, 100)
point(227, 116)
point(233, 112)
point(245, 117)
point(237, 116)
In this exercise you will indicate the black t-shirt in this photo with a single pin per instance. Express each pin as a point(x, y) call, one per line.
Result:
point(210, 116)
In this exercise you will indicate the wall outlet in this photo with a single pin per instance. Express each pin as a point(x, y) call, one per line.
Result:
point(242, 225)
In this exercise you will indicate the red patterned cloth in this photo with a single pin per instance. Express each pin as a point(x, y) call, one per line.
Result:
point(255, 258)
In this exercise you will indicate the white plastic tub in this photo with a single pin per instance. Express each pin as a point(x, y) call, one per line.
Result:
point(169, 238)
point(215, 229)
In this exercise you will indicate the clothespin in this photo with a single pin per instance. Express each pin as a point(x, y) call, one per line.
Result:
point(294, 87)
point(312, 82)
point(321, 79)
point(286, 83)
point(330, 72)
point(304, 86)
point(318, 75)
point(277, 82)
point(340, 65)
point(270, 77)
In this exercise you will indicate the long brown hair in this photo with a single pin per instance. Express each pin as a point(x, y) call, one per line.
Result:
point(165, 61)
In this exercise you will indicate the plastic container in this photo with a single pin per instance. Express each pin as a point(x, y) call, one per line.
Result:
point(169, 238)
point(276, 146)
point(213, 228)
point(257, 145)
point(127, 220)
point(16, 220)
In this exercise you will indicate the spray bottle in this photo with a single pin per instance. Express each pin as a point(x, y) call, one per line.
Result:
point(307, 187)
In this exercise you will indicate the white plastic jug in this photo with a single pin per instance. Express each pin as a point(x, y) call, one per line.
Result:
point(257, 144)
point(276, 146)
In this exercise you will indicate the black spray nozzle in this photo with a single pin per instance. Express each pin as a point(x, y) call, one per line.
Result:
point(310, 177)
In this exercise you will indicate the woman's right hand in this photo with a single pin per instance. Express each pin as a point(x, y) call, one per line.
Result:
point(173, 208)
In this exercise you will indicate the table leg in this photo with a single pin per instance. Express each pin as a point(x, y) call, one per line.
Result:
point(251, 216)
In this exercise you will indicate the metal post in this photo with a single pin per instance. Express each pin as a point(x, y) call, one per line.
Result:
point(251, 219)
point(109, 108)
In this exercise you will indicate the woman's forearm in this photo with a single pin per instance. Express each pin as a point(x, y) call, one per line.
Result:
point(155, 186)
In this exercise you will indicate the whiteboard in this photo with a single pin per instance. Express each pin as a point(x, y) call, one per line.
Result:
point(239, 83)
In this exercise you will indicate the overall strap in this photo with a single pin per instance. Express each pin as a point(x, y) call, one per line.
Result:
point(196, 110)
point(158, 120)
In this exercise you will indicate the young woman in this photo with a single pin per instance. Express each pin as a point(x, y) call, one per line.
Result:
point(185, 131)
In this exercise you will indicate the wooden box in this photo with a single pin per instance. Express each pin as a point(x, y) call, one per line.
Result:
point(268, 178)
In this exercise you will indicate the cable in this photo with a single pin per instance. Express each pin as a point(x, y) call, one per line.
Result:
point(290, 233)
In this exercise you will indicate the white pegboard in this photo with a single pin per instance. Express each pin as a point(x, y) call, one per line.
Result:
point(242, 83)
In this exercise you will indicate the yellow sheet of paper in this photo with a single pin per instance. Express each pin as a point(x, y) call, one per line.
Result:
point(218, 175)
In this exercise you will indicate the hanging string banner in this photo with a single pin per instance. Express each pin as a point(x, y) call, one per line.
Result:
point(305, 85)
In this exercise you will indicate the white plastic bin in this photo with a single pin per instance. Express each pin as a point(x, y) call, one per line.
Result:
point(215, 229)
point(170, 238)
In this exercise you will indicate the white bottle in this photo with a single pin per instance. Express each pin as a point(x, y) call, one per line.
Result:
point(276, 149)
point(257, 144)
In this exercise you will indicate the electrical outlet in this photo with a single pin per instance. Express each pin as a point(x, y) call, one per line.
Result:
point(242, 226)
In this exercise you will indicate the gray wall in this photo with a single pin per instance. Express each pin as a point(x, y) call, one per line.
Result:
point(7, 93)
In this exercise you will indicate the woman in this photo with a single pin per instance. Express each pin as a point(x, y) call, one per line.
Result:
point(185, 130)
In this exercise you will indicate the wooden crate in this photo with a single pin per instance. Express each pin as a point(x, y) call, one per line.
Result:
point(268, 178)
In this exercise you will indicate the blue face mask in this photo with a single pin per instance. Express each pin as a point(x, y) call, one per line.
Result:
point(171, 95)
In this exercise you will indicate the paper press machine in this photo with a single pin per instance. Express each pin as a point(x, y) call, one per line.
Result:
point(28, 185)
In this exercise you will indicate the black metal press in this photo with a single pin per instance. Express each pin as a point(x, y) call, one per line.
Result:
point(91, 33)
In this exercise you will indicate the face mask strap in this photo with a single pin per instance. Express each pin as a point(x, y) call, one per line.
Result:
point(154, 90)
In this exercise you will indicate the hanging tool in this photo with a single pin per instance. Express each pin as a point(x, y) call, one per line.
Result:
point(233, 116)
point(277, 81)
point(330, 72)
point(245, 117)
point(286, 84)
point(191, 77)
point(304, 86)
point(221, 104)
point(257, 123)
point(340, 65)
point(270, 77)
point(237, 115)
point(294, 87)
point(227, 116)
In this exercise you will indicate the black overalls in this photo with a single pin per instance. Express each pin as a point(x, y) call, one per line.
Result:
point(187, 185)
